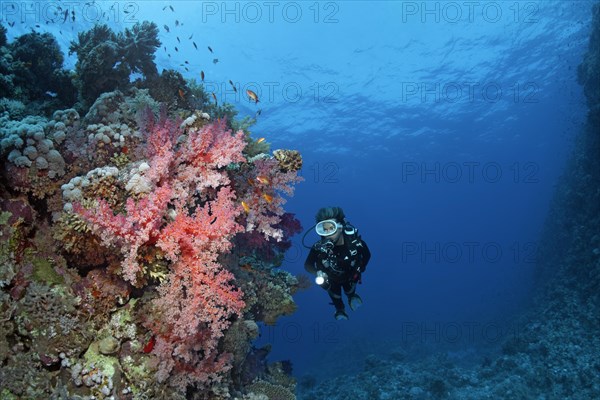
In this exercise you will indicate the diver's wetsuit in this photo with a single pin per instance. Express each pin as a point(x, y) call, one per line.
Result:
point(343, 265)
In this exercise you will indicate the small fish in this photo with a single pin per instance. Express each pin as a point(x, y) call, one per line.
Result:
point(66, 16)
point(263, 179)
point(73, 15)
point(178, 41)
point(167, 28)
point(165, 48)
point(262, 139)
point(257, 113)
point(267, 197)
point(176, 49)
point(186, 62)
point(210, 49)
point(250, 182)
point(252, 96)
point(195, 45)
point(246, 207)
point(172, 9)
point(190, 38)
point(186, 68)
point(202, 75)
point(176, 22)
point(233, 86)
point(51, 94)
point(214, 96)
point(182, 94)
point(215, 60)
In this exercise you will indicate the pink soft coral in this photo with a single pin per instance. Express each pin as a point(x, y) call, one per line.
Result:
point(198, 299)
point(191, 216)
point(128, 232)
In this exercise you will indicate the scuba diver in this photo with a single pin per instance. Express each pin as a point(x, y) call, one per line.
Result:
point(338, 259)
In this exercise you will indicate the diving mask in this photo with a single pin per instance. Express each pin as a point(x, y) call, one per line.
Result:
point(328, 227)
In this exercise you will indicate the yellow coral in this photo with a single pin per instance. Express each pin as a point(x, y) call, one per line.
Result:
point(72, 231)
point(119, 160)
point(273, 392)
point(289, 160)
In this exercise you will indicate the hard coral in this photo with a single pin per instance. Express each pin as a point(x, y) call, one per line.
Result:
point(289, 160)
point(272, 391)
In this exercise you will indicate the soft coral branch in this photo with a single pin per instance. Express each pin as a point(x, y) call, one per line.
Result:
point(199, 164)
point(199, 295)
point(128, 232)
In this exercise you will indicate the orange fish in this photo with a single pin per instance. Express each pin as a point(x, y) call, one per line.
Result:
point(267, 197)
point(181, 94)
point(202, 75)
point(250, 182)
point(262, 139)
point(263, 179)
point(246, 207)
point(252, 96)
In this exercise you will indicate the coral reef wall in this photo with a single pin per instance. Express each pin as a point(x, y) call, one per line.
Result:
point(141, 239)
point(569, 257)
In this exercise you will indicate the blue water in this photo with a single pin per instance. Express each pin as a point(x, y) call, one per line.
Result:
point(441, 131)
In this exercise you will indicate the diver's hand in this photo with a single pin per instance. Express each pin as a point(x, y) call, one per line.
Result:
point(321, 278)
